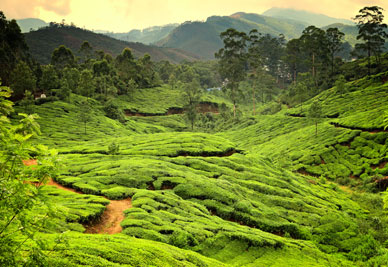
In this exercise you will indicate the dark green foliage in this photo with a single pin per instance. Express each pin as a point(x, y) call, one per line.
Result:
point(13, 48)
point(372, 31)
point(113, 112)
point(22, 79)
point(62, 57)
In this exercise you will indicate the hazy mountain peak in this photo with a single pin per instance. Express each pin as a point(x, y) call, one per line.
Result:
point(310, 18)
point(31, 23)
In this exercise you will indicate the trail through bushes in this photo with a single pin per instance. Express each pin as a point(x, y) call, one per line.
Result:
point(109, 222)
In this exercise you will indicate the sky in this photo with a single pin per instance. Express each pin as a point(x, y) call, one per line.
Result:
point(124, 15)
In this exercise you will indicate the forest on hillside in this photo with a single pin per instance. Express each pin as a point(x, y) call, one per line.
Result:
point(272, 154)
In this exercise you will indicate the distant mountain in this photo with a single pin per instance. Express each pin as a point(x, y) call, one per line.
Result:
point(202, 38)
point(27, 24)
point(43, 41)
point(145, 36)
point(351, 33)
point(318, 20)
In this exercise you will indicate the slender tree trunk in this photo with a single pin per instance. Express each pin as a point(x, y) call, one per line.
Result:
point(369, 61)
point(295, 75)
point(253, 97)
point(313, 64)
point(332, 64)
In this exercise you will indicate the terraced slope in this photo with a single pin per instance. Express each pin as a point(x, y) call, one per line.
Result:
point(232, 196)
point(351, 146)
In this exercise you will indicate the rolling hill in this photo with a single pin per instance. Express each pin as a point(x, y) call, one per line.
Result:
point(43, 41)
point(202, 38)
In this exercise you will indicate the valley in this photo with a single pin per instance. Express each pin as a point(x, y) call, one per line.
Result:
point(273, 153)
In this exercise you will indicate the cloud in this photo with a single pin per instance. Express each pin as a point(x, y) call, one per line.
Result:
point(18, 9)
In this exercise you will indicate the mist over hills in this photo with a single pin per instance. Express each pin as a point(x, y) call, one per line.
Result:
point(310, 18)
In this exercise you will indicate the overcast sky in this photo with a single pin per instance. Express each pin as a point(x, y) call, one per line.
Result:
point(124, 15)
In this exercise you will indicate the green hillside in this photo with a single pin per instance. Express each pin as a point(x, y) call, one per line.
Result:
point(43, 42)
point(202, 38)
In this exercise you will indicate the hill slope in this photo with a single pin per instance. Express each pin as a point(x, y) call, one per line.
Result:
point(309, 18)
point(43, 42)
point(202, 38)
point(146, 36)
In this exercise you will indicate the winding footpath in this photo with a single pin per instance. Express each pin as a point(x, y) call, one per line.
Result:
point(109, 222)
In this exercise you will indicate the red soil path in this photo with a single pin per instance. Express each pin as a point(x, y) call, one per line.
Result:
point(111, 218)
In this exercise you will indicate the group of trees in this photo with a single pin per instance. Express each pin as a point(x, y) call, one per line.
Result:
point(310, 63)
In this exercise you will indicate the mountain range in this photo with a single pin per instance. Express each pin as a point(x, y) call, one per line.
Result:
point(190, 40)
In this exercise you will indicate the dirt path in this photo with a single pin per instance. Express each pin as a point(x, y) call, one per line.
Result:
point(111, 218)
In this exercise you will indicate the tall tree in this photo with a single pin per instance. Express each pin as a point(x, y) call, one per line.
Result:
point(334, 40)
point(295, 58)
point(315, 113)
point(233, 61)
point(86, 84)
point(192, 95)
point(49, 79)
point(372, 31)
point(255, 61)
point(127, 66)
point(22, 79)
point(62, 57)
point(86, 51)
point(315, 44)
point(13, 47)
point(84, 115)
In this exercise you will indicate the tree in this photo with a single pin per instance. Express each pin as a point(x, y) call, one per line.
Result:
point(49, 79)
point(192, 95)
point(71, 77)
point(316, 45)
point(86, 51)
point(340, 85)
point(334, 40)
point(255, 62)
point(295, 58)
point(127, 67)
point(62, 57)
point(172, 80)
point(84, 114)
point(13, 48)
point(233, 61)
point(22, 79)
point(315, 113)
point(372, 31)
point(86, 84)
point(17, 196)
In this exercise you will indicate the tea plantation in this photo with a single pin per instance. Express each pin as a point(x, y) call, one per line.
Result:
point(266, 191)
